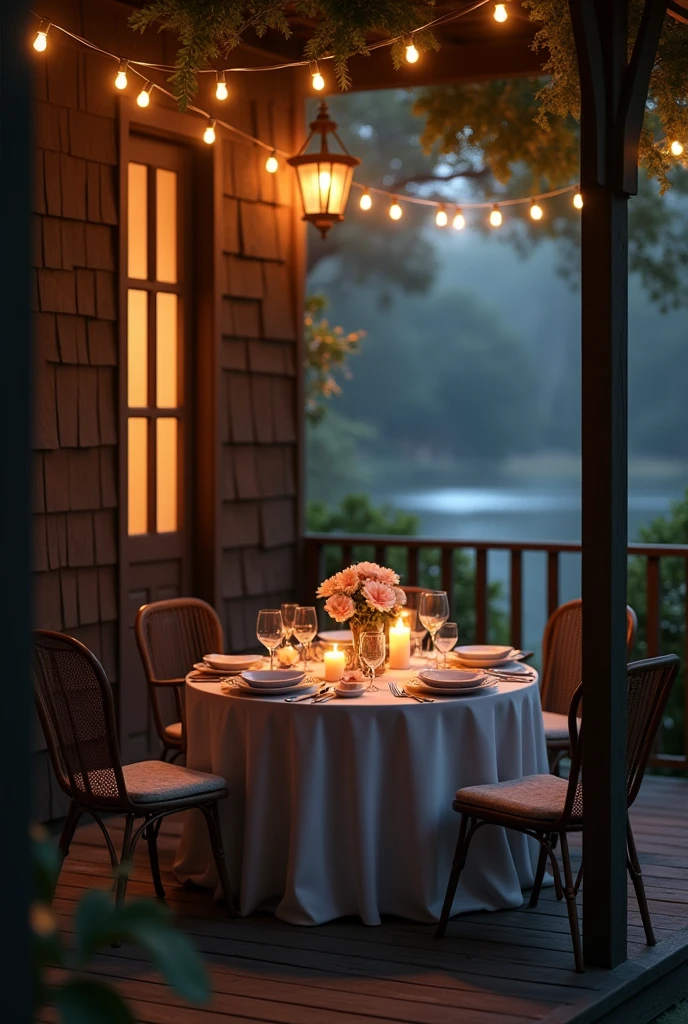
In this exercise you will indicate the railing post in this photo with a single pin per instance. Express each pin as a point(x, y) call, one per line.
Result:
point(313, 559)
point(652, 624)
point(448, 577)
point(481, 596)
point(412, 566)
point(516, 597)
point(552, 582)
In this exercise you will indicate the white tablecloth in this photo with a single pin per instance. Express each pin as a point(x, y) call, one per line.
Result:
point(345, 807)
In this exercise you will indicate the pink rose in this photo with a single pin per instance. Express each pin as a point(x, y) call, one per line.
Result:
point(340, 607)
point(348, 580)
point(328, 587)
point(373, 571)
point(379, 596)
point(400, 596)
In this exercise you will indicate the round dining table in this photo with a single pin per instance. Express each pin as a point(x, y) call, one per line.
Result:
point(345, 807)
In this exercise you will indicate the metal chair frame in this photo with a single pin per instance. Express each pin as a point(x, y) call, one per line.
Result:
point(547, 833)
point(73, 763)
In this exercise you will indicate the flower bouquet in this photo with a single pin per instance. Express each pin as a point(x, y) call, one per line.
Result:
point(365, 595)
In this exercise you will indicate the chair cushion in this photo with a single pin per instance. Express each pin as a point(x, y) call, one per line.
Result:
point(536, 797)
point(173, 732)
point(151, 782)
point(556, 726)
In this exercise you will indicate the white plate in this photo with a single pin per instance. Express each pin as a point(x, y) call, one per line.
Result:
point(350, 693)
point(517, 668)
point(453, 678)
point(475, 666)
point(215, 673)
point(481, 653)
point(267, 680)
point(302, 688)
point(448, 691)
point(229, 662)
point(337, 636)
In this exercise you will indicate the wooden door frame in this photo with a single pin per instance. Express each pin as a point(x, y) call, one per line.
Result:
point(170, 126)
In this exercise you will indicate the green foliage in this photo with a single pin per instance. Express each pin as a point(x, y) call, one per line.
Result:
point(333, 456)
point(207, 30)
point(357, 514)
point(327, 353)
point(676, 1015)
point(98, 923)
point(670, 529)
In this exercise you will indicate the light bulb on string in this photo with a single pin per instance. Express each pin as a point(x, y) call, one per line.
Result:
point(121, 78)
point(500, 13)
point(143, 98)
point(40, 43)
point(578, 200)
point(496, 217)
point(221, 91)
point(209, 133)
point(365, 202)
point(441, 218)
point(412, 54)
point(272, 163)
point(317, 80)
point(676, 148)
point(535, 210)
point(395, 210)
point(459, 221)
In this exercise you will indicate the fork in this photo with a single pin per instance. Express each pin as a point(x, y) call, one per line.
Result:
point(399, 691)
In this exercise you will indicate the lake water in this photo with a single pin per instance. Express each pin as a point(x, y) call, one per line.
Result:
point(532, 512)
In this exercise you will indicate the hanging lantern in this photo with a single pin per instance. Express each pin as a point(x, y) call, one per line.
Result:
point(324, 177)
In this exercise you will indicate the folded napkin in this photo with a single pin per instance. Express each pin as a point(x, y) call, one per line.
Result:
point(229, 683)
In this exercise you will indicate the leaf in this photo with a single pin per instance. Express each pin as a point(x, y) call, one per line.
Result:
point(82, 1001)
point(95, 924)
point(177, 960)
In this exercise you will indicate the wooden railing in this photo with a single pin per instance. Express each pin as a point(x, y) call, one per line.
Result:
point(324, 553)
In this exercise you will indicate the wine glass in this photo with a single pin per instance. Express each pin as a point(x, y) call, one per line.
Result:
point(445, 639)
point(433, 613)
point(305, 628)
point(270, 630)
point(372, 652)
point(288, 613)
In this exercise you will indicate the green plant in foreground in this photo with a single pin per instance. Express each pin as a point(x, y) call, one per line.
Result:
point(98, 924)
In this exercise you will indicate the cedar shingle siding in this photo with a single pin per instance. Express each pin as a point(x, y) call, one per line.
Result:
point(76, 239)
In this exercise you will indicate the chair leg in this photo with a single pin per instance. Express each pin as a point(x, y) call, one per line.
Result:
point(163, 752)
point(539, 875)
point(570, 895)
point(462, 844)
point(71, 821)
point(213, 821)
point(639, 886)
point(151, 834)
point(121, 884)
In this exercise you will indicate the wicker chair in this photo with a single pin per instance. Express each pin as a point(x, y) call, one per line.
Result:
point(562, 670)
point(76, 711)
point(547, 807)
point(171, 636)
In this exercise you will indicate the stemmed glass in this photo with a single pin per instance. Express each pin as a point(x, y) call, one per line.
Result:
point(288, 613)
point(445, 639)
point(270, 630)
point(305, 628)
point(433, 613)
point(372, 652)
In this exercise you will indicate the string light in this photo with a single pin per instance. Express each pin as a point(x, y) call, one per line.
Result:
point(441, 219)
point(500, 13)
point(412, 54)
point(209, 133)
point(40, 43)
point(221, 91)
point(365, 202)
point(459, 221)
point(496, 217)
point(535, 210)
point(272, 163)
point(676, 148)
point(578, 200)
point(317, 80)
point(121, 79)
point(395, 210)
point(143, 98)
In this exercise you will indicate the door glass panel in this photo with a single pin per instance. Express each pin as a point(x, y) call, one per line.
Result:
point(137, 240)
point(166, 384)
point(138, 475)
point(167, 462)
point(137, 348)
point(166, 225)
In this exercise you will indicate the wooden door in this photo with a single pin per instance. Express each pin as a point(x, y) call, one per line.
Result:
point(156, 463)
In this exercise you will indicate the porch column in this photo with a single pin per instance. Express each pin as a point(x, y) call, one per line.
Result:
point(613, 93)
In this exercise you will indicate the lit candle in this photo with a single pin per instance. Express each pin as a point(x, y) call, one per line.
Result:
point(335, 662)
point(399, 645)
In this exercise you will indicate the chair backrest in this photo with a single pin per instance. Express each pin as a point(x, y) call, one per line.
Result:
point(173, 634)
point(76, 710)
point(648, 688)
point(562, 659)
point(413, 595)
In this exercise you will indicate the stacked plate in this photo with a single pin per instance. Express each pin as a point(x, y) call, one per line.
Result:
point(265, 683)
point(226, 664)
point(451, 682)
point(482, 656)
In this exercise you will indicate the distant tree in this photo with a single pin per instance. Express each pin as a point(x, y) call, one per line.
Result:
point(327, 357)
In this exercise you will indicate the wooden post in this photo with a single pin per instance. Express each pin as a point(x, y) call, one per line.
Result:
point(613, 94)
point(15, 500)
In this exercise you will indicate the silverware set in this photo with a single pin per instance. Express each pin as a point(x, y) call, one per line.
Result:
point(322, 695)
point(400, 691)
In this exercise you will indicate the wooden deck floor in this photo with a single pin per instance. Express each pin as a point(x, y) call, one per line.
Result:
point(508, 967)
